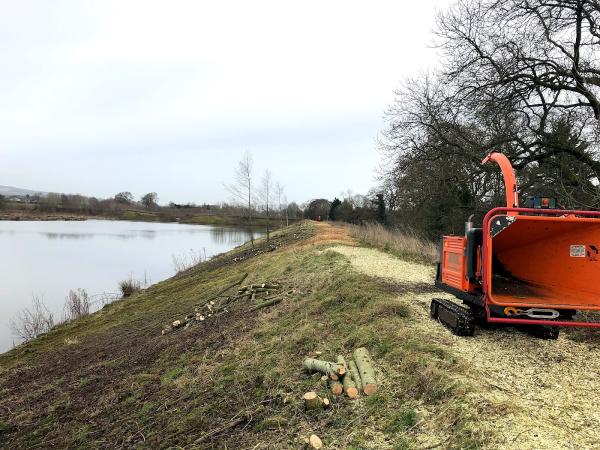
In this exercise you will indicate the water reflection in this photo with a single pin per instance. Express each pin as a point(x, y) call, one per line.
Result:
point(68, 235)
point(233, 236)
point(48, 259)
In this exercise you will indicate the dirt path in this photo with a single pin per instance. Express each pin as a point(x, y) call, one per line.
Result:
point(532, 394)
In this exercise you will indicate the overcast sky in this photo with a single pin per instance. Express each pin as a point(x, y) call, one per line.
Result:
point(98, 97)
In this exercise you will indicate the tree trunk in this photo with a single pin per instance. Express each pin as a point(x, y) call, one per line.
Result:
point(336, 387)
point(365, 368)
point(325, 367)
point(348, 383)
point(312, 401)
point(271, 302)
point(355, 374)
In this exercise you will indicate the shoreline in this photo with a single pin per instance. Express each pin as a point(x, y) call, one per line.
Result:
point(141, 216)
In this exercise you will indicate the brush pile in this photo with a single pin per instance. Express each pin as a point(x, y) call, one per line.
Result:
point(256, 296)
point(342, 377)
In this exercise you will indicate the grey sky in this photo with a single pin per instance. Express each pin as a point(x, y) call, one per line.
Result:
point(102, 96)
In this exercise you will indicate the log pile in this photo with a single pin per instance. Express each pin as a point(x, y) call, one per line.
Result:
point(342, 377)
point(255, 296)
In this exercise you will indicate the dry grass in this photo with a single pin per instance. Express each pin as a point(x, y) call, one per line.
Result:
point(527, 393)
point(77, 304)
point(374, 263)
point(399, 242)
point(186, 261)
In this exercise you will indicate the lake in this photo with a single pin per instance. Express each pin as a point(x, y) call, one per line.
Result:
point(47, 259)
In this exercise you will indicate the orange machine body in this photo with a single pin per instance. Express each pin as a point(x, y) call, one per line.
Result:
point(524, 266)
point(544, 262)
point(454, 263)
point(535, 261)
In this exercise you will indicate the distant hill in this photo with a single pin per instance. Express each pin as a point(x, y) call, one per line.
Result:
point(8, 191)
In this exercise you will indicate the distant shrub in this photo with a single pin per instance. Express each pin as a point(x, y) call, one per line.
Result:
point(30, 322)
point(129, 286)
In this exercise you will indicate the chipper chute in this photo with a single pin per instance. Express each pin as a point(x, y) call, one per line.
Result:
point(533, 267)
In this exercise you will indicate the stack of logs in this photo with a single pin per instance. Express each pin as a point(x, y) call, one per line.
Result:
point(265, 291)
point(350, 378)
point(219, 304)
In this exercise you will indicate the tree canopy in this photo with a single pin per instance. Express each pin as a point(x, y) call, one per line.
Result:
point(519, 76)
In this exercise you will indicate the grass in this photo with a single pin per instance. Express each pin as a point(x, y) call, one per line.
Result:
point(131, 386)
point(198, 219)
point(404, 244)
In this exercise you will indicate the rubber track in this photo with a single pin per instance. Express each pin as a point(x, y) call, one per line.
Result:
point(544, 331)
point(460, 321)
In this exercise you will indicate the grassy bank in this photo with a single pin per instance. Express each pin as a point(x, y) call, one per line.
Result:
point(235, 381)
point(144, 216)
point(403, 244)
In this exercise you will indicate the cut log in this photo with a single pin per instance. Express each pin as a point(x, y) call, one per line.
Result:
point(313, 442)
point(271, 302)
point(323, 378)
point(221, 292)
point(259, 289)
point(325, 367)
point(336, 387)
point(365, 368)
point(312, 401)
point(349, 386)
point(355, 374)
point(326, 403)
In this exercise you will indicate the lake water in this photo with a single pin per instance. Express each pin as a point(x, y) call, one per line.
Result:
point(47, 259)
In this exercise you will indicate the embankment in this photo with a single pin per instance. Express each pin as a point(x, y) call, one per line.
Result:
point(235, 379)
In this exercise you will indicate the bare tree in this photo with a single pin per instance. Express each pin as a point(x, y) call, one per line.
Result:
point(519, 76)
point(279, 194)
point(285, 207)
point(242, 188)
point(266, 193)
point(535, 61)
point(29, 323)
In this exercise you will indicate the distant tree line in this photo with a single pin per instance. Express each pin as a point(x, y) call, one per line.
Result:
point(124, 203)
point(520, 77)
point(352, 209)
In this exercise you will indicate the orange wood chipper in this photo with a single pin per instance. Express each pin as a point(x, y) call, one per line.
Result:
point(533, 267)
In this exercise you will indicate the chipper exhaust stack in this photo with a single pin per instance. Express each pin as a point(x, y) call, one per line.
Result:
point(533, 267)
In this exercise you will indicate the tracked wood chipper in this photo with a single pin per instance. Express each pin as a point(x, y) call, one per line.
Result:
point(532, 267)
